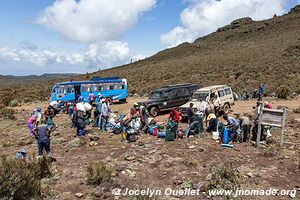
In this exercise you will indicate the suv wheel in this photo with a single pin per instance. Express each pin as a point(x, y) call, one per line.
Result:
point(153, 111)
point(226, 108)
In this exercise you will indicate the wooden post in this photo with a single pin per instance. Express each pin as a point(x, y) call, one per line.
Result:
point(258, 135)
point(282, 128)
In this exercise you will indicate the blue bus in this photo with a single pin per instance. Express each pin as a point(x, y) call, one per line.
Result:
point(113, 88)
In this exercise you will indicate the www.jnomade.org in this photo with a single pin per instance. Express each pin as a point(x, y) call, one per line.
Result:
point(196, 192)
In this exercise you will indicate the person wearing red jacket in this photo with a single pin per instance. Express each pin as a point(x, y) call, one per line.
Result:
point(174, 116)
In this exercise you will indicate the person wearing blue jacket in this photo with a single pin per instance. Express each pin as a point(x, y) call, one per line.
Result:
point(261, 91)
point(232, 125)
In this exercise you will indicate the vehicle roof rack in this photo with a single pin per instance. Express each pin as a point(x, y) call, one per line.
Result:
point(104, 79)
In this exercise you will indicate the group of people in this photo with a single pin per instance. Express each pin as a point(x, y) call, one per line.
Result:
point(81, 113)
point(40, 125)
point(256, 93)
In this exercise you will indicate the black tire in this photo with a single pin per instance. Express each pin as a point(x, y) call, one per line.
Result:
point(153, 111)
point(226, 108)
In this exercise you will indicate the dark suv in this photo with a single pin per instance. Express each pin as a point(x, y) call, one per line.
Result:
point(169, 97)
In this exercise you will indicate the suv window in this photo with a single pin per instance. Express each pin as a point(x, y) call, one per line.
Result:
point(221, 93)
point(227, 91)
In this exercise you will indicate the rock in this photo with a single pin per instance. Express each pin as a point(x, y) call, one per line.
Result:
point(186, 184)
point(192, 147)
point(79, 195)
point(136, 95)
point(129, 158)
point(208, 177)
point(76, 143)
point(130, 173)
point(153, 158)
point(94, 138)
point(250, 175)
point(102, 192)
point(93, 143)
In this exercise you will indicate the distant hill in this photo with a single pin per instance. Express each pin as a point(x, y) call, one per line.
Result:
point(9, 79)
point(241, 54)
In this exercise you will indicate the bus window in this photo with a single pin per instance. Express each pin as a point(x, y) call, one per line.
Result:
point(61, 90)
point(84, 88)
point(122, 86)
point(111, 87)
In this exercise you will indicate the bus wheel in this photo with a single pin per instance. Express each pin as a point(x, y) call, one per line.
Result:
point(153, 111)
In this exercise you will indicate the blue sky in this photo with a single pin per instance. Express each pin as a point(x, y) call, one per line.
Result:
point(47, 36)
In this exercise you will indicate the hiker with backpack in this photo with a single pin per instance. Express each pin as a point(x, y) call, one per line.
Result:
point(49, 114)
point(42, 134)
point(30, 125)
point(172, 125)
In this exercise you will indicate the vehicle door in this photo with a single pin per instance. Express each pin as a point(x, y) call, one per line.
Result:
point(183, 95)
point(77, 92)
point(167, 99)
point(222, 97)
point(229, 95)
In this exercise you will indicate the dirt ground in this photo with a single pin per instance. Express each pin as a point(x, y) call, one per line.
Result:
point(156, 164)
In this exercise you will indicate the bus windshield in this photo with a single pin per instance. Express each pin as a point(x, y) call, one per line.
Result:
point(200, 96)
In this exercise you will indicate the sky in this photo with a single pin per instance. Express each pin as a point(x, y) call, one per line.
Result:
point(79, 36)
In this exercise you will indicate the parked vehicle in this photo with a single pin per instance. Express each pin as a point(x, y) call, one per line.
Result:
point(223, 92)
point(169, 97)
point(113, 88)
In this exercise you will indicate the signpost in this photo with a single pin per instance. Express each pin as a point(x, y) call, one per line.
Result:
point(274, 118)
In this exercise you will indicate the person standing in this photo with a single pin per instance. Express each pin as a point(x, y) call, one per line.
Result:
point(190, 112)
point(216, 103)
point(261, 90)
point(91, 98)
point(30, 124)
point(80, 123)
point(42, 134)
point(144, 116)
point(104, 114)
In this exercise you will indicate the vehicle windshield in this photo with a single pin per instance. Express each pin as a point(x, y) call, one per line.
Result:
point(155, 95)
point(200, 96)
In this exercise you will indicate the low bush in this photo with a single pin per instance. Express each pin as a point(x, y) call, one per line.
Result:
point(297, 110)
point(97, 173)
point(21, 179)
point(283, 92)
point(223, 176)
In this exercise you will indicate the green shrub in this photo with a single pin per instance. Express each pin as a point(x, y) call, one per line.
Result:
point(14, 103)
point(283, 92)
point(223, 176)
point(97, 173)
point(20, 179)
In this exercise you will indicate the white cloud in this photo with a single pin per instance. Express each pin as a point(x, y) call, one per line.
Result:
point(93, 20)
point(205, 16)
point(102, 54)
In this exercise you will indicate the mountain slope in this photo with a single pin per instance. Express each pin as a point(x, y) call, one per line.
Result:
point(8, 80)
point(242, 55)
